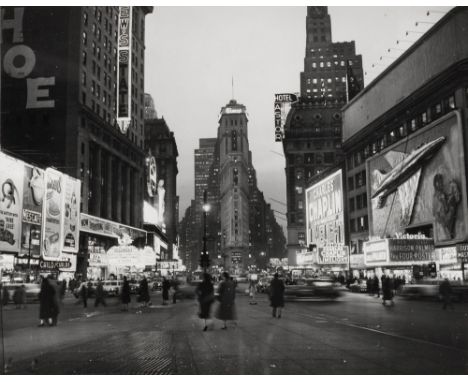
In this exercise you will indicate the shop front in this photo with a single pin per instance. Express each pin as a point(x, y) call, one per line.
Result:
point(408, 258)
point(97, 237)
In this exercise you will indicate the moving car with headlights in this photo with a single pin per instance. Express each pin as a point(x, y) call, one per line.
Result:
point(32, 290)
point(311, 289)
point(359, 286)
point(112, 287)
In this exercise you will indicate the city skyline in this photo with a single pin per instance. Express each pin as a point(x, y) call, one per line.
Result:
point(276, 46)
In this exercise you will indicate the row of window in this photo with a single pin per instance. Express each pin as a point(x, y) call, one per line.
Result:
point(358, 180)
point(358, 203)
point(328, 64)
point(402, 130)
point(359, 224)
point(329, 80)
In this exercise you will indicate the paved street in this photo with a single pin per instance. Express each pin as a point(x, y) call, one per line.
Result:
point(355, 335)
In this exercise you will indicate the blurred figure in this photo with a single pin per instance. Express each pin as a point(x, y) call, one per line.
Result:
point(83, 293)
point(376, 286)
point(46, 302)
point(175, 286)
point(63, 289)
point(56, 299)
point(387, 290)
point(99, 295)
point(252, 289)
point(277, 295)
point(143, 292)
point(445, 290)
point(227, 294)
point(19, 297)
point(166, 285)
point(5, 295)
point(125, 295)
point(205, 293)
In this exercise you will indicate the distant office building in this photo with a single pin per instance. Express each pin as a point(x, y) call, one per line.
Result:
point(313, 137)
point(150, 110)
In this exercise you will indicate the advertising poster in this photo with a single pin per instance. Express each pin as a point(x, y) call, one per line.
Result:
point(11, 197)
point(325, 215)
point(71, 222)
point(333, 255)
point(421, 181)
point(33, 199)
point(53, 215)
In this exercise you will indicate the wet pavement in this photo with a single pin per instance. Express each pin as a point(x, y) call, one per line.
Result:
point(355, 335)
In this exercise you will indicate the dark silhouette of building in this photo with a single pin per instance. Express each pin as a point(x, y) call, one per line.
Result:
point(161, 143)
point(313, 137)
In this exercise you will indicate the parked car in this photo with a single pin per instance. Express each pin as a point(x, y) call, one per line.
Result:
point(359, 286)
point(304, 289)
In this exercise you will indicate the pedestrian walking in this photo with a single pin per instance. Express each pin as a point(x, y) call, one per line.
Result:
point(166, 285)
point(445, 290)
point(56, 299)
point(253, 288)
point(63, 289)
point(277, 295)
point(387, 290)
point(5, 295)
point(19, 297)
point(227, 295)
point(376, 286)
point(205, 293)
point(125, 294)
point(99, 295)
point(144, 296)
point(83, 293)
point(175, 287)
point(46, 303)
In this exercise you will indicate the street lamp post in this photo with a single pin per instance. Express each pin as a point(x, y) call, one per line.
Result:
point(204, 262)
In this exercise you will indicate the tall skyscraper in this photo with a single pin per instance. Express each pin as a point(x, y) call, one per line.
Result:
point(234, 186)
point(312, 140)
point(71, 74)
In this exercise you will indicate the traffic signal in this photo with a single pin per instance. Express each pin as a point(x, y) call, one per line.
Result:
point(204, 261)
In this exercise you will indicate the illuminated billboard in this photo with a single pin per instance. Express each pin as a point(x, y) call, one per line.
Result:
point(420, 182)
point(283, 104)
point(325, 214)
point(124, 66)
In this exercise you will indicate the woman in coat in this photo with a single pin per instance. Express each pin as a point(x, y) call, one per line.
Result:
point(46, 302)
point(166, 285)
point(276, 295)
point(125, 296)
point(205, 293)
point(227, 294)
point(144, 292)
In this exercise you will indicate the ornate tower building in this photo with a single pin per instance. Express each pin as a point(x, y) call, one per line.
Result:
point(234, 185)
point(312, 135)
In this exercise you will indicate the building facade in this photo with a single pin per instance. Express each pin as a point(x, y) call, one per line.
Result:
point(61, 105)
point(234, 186)
point(313, 130)
point(413, 128)
point(160, 143)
